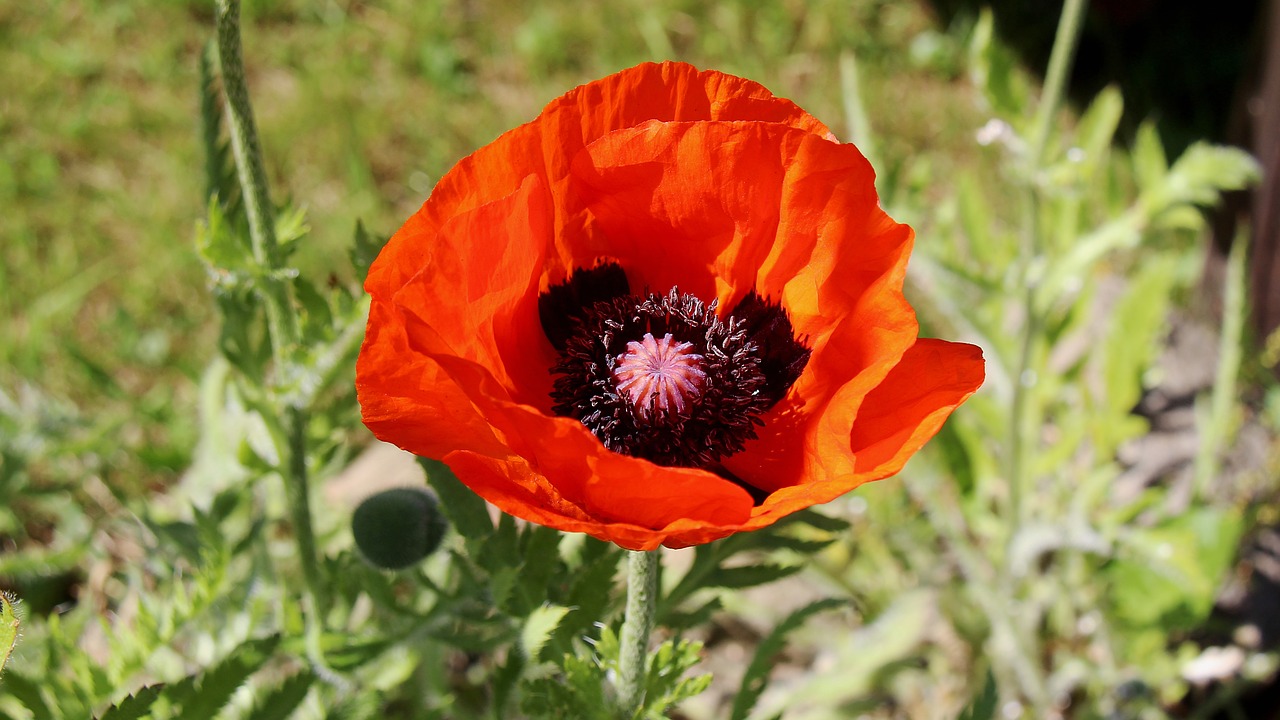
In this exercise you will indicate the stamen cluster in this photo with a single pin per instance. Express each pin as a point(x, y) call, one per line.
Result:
point(702, 403)
point(664, 377)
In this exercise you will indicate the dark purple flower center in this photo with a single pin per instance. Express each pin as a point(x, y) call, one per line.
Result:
point(663, 377)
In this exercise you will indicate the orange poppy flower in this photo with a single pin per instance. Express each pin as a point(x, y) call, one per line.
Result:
point(667, 310)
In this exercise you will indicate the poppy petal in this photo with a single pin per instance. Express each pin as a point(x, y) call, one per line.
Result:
point(903, 412)
point(668, 91)
point(473, 310)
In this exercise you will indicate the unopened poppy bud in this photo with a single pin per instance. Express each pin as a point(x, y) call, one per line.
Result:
point(399, 527)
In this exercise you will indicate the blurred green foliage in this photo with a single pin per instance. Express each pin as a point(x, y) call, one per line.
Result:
point(140, 488)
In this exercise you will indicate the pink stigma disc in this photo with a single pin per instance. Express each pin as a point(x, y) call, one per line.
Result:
point(659, 376)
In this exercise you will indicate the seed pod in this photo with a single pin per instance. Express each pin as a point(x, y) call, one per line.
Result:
point(399, 527)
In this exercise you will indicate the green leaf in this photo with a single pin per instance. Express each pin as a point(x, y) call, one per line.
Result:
point(465, 510)
point(1149, 161)
point(863, 656)
point(540, 559)
point(538, 628)
point(26, 692)
point(282, 701)
point(1204, 170)
point(1098, 124)
point(1136, 327)
point(318, 318)
point(736, 578)
point(822, 522)
point(364, 249)
point(1170, 573)
point(983, 706)
point(993, 67)
point(757, 675)
point(666, 684)
point(202, 696)
point(9, 624)
point(135, 706)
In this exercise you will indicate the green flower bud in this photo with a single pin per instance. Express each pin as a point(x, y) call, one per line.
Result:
point(399, 527)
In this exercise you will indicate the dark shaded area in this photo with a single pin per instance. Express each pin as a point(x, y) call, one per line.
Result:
point(782, 356)
point(1180, 62)
point(1202, 71)
point(562, 306)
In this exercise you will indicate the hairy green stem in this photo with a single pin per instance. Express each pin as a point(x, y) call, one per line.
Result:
point(297, 489)
point(281, 320)
point(642, 600)
point(275, 293)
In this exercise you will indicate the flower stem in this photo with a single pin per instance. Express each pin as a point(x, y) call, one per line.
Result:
point(297, 490)
point(642, 600)
point(281, 320)
point(277, 299)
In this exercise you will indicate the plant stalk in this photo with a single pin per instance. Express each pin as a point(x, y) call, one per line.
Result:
point(281, 320)
point(1020, 427)
point(1024, 420)
point(642, 601)
point(1070, 23)
point(277, 299)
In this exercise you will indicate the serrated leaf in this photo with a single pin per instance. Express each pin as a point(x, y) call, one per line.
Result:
point(983, 706)
point(736, 578)
point(9, 626)
point(202, 696)
point(134, 706)
point(283, 700)
point(694, 618)
point(319, 315)
point(822, 522)
point(27, 693)
point(364, 249)
point(466, 511)
point(757, 674)
point(226, 252)
point(291, 226)
point(1203, 171)
point(538, 628)
point(539, 550)
point(861, 655)
point(589, 590)
point(666, 683)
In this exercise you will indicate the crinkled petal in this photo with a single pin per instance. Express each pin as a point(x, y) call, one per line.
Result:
point(544, 147)
point(722, 208)
point(472, 313)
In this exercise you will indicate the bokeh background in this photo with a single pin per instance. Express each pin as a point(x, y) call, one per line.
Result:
point(107, 329)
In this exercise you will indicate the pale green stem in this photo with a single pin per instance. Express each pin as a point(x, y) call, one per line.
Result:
point(642, 600)
point(1020, 428)
point(1055, 79)
point(1023, 422)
